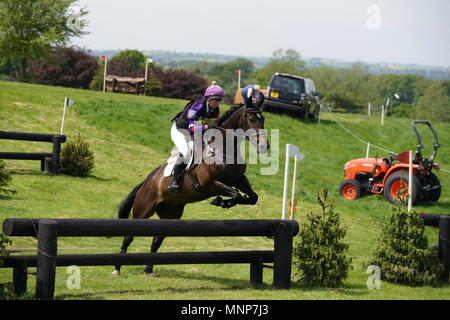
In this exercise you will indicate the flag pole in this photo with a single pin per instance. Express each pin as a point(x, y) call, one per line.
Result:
point(64, 114)
point(146, 75)
point(239, 79)
point(104, 75)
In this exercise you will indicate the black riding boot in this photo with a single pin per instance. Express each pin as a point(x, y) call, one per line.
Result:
point(178, 174)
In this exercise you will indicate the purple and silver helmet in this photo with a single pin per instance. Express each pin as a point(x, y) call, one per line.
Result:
point(214, 92)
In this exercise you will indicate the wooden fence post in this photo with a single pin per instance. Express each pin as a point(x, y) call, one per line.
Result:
point(19, 282)
point(46, 259)
point(444, 246)
point(282, 256)
point(256, 273)
point(56, 154)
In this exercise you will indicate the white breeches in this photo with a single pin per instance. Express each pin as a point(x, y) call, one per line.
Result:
point(179, 139)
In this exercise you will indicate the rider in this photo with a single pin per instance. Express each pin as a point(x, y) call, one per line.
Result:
point(253, 91)
point(199, 114)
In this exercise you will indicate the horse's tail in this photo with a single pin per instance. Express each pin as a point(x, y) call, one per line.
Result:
point(127, 203)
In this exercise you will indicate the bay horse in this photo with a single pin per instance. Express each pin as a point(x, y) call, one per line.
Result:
point(201, 181)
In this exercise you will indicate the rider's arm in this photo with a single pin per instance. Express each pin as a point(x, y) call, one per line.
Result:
point(193, 115)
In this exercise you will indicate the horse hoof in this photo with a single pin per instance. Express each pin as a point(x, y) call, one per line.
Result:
point(152, 274)
point(115, 273)
point(227, 204)
point(217, 202)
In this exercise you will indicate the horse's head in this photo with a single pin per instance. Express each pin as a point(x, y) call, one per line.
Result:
point(253, 125)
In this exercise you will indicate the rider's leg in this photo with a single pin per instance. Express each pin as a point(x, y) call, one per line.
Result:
point(179, 138)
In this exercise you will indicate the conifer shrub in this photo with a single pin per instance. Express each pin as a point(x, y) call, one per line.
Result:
point(5, 288)
point(77, 159)
point(403, 255)
point(320, 258)
point(5, 179)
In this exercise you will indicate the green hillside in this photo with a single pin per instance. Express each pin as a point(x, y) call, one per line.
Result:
point(130, 136)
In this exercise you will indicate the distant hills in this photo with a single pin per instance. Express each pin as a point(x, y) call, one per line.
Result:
point(174, 59)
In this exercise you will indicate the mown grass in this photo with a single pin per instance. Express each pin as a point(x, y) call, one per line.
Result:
point(130, 136)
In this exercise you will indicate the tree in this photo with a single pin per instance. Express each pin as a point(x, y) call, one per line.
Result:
point(67, 67)
point(320, 258)
point(284, 61)
point(128, 63)
point(434, 105)
point(28, 28)
point(226, 77)
point(402, 254)
point(180, 84)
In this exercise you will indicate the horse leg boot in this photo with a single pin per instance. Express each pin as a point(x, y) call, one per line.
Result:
point(125, 244)
point(178, 174)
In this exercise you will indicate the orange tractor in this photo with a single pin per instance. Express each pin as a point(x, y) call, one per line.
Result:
point(390, 175)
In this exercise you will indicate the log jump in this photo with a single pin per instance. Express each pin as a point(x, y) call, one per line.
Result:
point(50, 162)
point(48, 230)
point(442, 222)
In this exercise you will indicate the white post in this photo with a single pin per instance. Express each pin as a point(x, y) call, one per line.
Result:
point(368, 150)
point(146, 75)
point(104, 75)
point(369, 107)
point(410, 183)
point(239, 79)
point(382, 115)
point(285, 189)
point(66, 102)
point(291, 216)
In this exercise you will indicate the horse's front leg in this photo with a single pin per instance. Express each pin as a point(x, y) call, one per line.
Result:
point(220, 189)
point(244, 185)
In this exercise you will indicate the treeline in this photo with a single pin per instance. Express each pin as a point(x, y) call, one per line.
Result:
point(342, 89)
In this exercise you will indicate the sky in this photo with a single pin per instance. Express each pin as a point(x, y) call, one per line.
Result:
point(372, 31)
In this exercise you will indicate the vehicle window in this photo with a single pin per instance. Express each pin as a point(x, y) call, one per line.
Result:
point(290, 86)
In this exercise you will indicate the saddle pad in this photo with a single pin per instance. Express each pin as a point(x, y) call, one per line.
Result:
point(168, 170)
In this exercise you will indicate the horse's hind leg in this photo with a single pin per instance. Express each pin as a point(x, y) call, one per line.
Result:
point(125, 244)
point(164, 211)
point(143, 212)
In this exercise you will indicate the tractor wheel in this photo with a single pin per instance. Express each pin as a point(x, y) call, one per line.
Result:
point(435, 185)
point(396, 182)
point(350, 189)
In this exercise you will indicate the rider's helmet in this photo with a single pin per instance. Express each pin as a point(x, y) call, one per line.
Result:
point(214, 92)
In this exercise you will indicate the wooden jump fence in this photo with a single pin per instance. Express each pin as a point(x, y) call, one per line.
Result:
point(443, 223)
point(50, 162)
point(47, 231)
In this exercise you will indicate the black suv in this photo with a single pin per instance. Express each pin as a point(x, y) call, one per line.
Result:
point(292, 93)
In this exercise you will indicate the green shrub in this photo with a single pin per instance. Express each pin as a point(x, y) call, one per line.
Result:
point(404, 110)
point(5, 288)
point(5, 178)
point(319, 256)
point(76, 157)
point(402, 254)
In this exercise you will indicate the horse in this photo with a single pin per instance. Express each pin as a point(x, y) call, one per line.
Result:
point(201, 181)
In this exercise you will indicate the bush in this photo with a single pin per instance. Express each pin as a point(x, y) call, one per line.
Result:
point(5, 288)
point(180, 84)
point(404, 110)
point(402, 254)
point(76, 157)
point(319, 256)
point(5, 178)
point(67, 67)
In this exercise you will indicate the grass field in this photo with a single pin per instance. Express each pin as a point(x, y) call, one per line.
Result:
point(130, 136)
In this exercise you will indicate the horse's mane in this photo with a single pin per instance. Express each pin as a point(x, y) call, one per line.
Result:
point(228, 114)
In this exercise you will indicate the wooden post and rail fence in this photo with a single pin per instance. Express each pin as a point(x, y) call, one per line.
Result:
point(48, 231)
